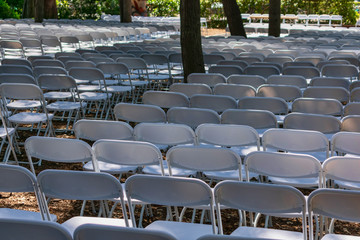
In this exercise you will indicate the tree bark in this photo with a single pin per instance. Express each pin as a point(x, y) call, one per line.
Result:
point(39, 10)
point(274, 18)
point(50, 10)
point(125, 10)
point(234, 19)
point(28, 9)
point(190, 37)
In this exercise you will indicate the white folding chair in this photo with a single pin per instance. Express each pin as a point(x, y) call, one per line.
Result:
point(95, 232)
point(81, 185)
point(93, 130)
point(236, 91)
point(58, 150)
point(240, 138)
point(192, 117)
point(252, 80)
point(261, 120)
point(261, 198)
point(139, 113)
point(326, 106)
point(210, 79)
point(19, 97)
point(297, 141)
point(190, 89)
point(172, 191)
point(218, 103)
point(338, 93)
point(345, 143)
point(123, 157)
point(297, 170)
point(18, 179)
point(341, 172)
point(19, 229)
point(336, 204)
point(165, 99)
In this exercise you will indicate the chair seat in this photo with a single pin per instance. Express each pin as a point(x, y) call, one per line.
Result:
point(181, 230)
point(111, 168)
point(339, 237)
point(79, 81)
point(23, 104)
point(23, 214)
point(64, 106)
point(91, 88)
point(57, 95)
point(29, 118)
point(75, 222)
point(254, 232)
point(135, 83)
point(94, 96)
point(347, 185)
point(117, 89)
point(3, 132)
point(158, 77)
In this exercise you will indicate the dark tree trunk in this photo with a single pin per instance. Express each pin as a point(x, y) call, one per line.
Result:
point(39, 10)
point(192, 55)
point(274, 18)
point(28, 9)
point(125, 11)
point(234, 19)
point(50, 11)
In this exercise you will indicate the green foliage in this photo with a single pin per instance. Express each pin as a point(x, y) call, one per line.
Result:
point(163, 8)
point(6, 11)
point(110, 7)
point(79, 9)
point(16, 5)
point(253, 6)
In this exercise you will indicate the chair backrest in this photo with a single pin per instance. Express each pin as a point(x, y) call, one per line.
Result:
point(49, 70)
point(139, 113)
point(192, 117)
point(333, 203)
point(306, 72)
point(200, 159)
point(293, 140)
point(210, 79)
point(352, 108)
point(252, 80)
point(273, 104)
point(293, 80)
point(131, 153)
point(317, 122)
point(225, 70)
point(71, 64)
point(165, 99)
point(97, 231)
point(318, 106)
point(113, 68)
point(218, 103)
point(330, 82)
point(16, 69)
point(58, 150)
point(17, 78)
point(345, 142)
point(293, 166)
point(338, 93)
point(18, 229)
point(57, 82)
point(342, 168)
point(93, 130)
point(234, 90)
point(190, 89)
point(170, 191)
point(47, 62)
point(340, 70)
point(84, 73)
point(286, 92)
point(350, 123)
point(264, 71)
point(164, 133)
point(257, 197)
point(258, 119)
point(81, 185)
point(227, 135)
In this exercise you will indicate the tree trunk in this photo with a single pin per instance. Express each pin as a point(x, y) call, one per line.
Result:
point(190, 36)
point(125, 11)
point(234, 19)
point(28, 9)
point(274, 18)
point(50, 11)
point(39, 11)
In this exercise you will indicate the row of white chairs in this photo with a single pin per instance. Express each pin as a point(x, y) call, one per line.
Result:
point(186, 192)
